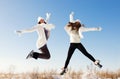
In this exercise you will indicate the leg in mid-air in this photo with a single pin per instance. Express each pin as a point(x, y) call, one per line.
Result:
point(83, 50)
point(70, 53)
point(44, 55)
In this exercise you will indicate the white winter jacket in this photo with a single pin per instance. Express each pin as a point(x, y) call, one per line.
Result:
point(39, 28)
point(76, 36)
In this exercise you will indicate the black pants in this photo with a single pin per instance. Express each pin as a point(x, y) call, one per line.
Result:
point(71, 50)
point(44, 55)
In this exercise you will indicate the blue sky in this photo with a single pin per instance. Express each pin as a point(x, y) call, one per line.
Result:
point(22, 14)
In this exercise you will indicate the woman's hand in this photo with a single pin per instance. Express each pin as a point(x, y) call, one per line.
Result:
point(18, 32)
point(99, 28)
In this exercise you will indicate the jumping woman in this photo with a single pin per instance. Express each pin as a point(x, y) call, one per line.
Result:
point(75, 29)
point(43, 30)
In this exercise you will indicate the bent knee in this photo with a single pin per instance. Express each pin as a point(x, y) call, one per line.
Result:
point(48, 57)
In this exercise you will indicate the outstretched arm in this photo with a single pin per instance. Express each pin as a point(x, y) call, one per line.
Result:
point(19, 32)
point(83, 29)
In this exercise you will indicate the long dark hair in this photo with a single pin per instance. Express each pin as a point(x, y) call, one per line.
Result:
point(75, 26)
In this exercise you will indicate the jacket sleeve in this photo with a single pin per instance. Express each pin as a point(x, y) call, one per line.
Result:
point(47, 17)
point(67, 29)
point(29, 30)
point(83, 29)
point(71, 17)
point(49, 26)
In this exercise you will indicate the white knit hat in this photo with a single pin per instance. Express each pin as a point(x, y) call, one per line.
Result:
point(39, 18)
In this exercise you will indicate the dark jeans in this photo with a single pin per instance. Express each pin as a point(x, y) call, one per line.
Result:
point(44, 55)
point(71, 50)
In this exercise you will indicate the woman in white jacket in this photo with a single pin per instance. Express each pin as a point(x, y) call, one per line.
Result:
point(75, 30)
point(43, 30)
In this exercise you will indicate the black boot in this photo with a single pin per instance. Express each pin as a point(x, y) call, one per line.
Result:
point(97, 63)
point(63, 72)
point(30, 55)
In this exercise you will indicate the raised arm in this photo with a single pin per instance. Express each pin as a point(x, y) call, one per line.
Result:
point(71, 17)
point(47, 17)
